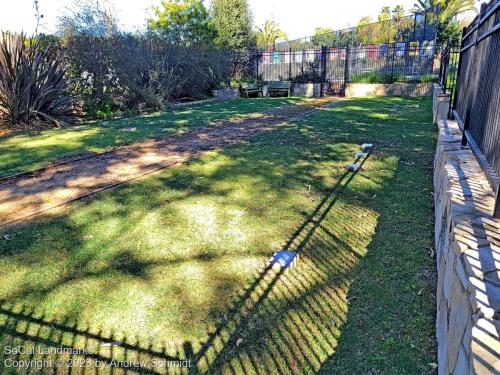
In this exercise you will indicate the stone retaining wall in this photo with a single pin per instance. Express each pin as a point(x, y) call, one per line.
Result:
point(390, 89)
point(468, 260)
point(309, 90)
point(226, 94)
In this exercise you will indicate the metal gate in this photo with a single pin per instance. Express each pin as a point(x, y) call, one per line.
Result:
point(334, 70)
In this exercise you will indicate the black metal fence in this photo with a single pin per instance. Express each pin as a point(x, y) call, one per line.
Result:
point(337, 66)
point(421, 26)
point(476, 105)
point(448, 70)
point(397, 62)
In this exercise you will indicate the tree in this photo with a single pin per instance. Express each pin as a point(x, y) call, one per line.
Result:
point(385, 14)
point(363, 21)
point(88, 17)
point(363, 30)
point(382, 30)
point(184, 22)
point(268, 34)
point(324, 36)
point(398, 12)
point(448, 9)
point(448, 26)
point(233, 21)
point(450, 31)
point(400, 25)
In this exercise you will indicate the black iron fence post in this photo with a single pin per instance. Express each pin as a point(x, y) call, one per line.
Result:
point(346, 66)
point(425, 24)
point(323, 70)
point(258, 58)
point(441, 63)
point(392, 61)
point(414, 25)
point(496, 211)
point(445, 61)
point(432, 52)
point(290, 64)
point(471, 97)
point(457, 85)
point(445, 71)
point(302, 60)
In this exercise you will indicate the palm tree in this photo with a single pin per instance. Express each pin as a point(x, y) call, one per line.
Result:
point(269, 34)
point(448, 9)
point(398, 12)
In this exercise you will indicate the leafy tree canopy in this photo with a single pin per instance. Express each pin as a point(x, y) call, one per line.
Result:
point(324, 36)
point(448, 9)
point(449, 28)
point(398, 12)
point(365, 21)
point(269, 34)
point(88, 17)
point(233, 21)
point(184, 22)
point(385, 14)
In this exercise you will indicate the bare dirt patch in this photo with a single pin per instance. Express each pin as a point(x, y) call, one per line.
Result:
point(54, 186)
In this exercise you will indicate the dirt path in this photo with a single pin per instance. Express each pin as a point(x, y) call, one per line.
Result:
point(58, 185)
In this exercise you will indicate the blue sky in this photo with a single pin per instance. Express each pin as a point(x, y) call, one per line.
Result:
point(297, 18)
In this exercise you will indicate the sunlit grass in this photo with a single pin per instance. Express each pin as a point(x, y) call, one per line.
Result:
point(165, 257)
point(29, 151)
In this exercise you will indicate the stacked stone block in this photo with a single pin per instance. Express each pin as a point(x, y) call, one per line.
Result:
point(468, 260)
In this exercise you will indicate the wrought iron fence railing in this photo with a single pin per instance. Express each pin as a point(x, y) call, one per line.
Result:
point(420, 26)
point(476, 104)
point(337, 66)
point(448, 70)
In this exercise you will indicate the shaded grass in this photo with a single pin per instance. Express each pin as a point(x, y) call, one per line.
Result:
point(165, 257)
point(29, 151)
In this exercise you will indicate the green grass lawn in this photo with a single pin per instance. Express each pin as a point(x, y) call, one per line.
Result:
point(167, 258)
point(29, 151)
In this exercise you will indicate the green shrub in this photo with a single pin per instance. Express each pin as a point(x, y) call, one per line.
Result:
point(236, 83)
point(429, 78)
point(134, 72)
point(145, 74)
point(375, 77)
point(103, 110)
point(371, 78)
point(309, 73)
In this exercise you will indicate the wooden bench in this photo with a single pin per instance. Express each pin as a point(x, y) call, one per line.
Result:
point(277, 87)
point(251, 88)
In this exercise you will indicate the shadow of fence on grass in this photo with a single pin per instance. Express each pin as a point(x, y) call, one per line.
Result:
point(254, 323)
point(33, 343)
point(286, 320)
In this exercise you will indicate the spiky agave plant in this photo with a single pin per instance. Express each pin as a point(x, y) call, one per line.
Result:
point(33, 87)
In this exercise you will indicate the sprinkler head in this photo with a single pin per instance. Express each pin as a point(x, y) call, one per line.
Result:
point(354, 167)
point(367, 146)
